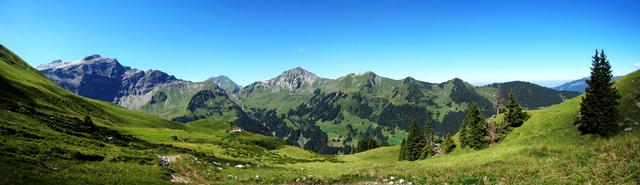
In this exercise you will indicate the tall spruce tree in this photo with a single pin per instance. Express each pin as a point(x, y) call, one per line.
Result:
point(429, 145)
point(413, 144)
point(473, 129)
point(515, 115)
point(598, 113)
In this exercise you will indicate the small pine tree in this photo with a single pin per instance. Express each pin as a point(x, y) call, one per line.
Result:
point(473, 129)
point(367, 144)
point(515, 115)
point(447, 145)
point(87, 120)
point(598, 112)
point(427, 151)
point(403, 150)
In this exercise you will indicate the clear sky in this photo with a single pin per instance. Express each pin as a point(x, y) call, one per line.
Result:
point(434, 41)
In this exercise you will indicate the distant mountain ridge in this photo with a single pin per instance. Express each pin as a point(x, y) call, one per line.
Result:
point(320, 114)
point(577, 85)
point(106, 79)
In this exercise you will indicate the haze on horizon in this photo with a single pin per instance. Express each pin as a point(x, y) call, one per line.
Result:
point(248, 41)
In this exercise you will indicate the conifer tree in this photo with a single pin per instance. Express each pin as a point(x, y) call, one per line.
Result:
point(447, 145)
point(427, 150)
point(414, 143)
point(473, 129)
point(367, 144)
point(515, 115)
point(403, 150)
point(598, 113)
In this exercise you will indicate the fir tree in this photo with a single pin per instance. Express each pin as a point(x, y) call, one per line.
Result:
point(367, 144)
point(413, 144)
point(428, 149)
point(473, 130)
point(403, 150)
point(598, 113)
point(515, 115)
point(447, 145)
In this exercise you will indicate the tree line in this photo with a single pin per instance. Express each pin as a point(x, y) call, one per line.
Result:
point(598, 115)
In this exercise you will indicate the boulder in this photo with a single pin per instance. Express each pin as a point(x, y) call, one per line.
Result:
point(164, 161)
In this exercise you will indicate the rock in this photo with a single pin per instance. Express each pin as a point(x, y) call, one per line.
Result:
point(104, 79)
point(240, 166)
point(401, 181)
point(178, 179)
point(628, 129)
point(164, 161)
point(216, 163)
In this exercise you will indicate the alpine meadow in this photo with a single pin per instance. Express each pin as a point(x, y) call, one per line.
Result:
point(319, 92)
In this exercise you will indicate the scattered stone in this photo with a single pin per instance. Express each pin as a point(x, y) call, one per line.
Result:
point(628, 129)
point(164, 161)
point(179, 139)
point(216, 163)
point(219, 168)
point(240, 166)
point(178, 179)
point(401, 181)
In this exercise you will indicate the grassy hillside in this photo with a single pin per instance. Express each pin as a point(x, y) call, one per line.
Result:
point(547, 149)
point(46, 141)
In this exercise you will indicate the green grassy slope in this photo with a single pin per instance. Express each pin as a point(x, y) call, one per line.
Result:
point(45, 140)
point(547, 149)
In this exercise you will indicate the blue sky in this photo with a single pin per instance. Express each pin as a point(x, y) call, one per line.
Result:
point(434, 41)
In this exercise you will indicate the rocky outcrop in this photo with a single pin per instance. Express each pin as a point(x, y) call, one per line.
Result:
point(293, 79)
point(225, 83)
point(103, 78)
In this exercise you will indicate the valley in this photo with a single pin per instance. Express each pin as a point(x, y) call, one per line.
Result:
point(324, 115)
point(48, 139)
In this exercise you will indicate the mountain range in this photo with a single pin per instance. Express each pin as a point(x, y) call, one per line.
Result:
point(52, 136)
point(320, 114)
point(577, 85)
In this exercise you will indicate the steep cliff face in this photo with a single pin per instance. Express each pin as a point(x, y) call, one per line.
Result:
point(103, 78)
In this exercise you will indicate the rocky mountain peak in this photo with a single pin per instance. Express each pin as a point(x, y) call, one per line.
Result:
point(91, 57)
point(89, 60)
point(293, 79)
point(225, 83)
